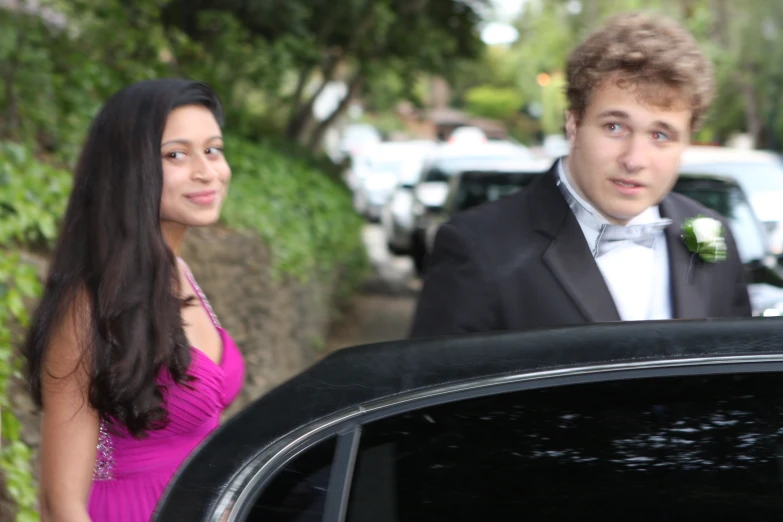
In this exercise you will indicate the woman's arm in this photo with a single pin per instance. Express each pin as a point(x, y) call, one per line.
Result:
point(69, 426)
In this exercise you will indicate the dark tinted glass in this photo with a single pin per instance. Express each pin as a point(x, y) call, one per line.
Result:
point(720, 197)
point(691, 448)
point(476, 189)
point(298, 492)
point(436, 175)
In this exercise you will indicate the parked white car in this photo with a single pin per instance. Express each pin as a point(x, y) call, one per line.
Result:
point(427, 186)
point(379, 170)
point(356, 138)
point(759, 173)
point(467, 136)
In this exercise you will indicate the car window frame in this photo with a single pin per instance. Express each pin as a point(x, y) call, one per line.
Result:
point(459, 180)
point(347, 424)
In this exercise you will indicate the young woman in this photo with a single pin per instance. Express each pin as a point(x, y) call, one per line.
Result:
point(125, 356)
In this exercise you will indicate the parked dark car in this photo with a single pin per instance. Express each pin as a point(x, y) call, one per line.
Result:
point(719, 193)
point(404, 215)
point(443, 176)
point(647, 421)
point(472, 188)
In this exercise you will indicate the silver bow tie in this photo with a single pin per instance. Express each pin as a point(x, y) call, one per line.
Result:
point(611, 236)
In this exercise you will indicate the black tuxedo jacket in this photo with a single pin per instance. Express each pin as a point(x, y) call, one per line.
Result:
point(523, 262)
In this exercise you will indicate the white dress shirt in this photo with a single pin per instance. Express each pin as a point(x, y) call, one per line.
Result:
point(637, 276)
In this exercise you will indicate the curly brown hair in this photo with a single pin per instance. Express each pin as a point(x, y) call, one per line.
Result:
point(652, 55)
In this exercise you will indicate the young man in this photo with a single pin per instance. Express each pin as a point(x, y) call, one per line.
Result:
point(599, 237)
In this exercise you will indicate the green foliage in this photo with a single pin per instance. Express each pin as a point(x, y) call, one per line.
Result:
point(386, 88)
point(386, 122)
point(32, 199)
point(554, 104)
point(15, 461)
point(495, 68)
point(290, 50)
point(56, 77)
point(493, 102)
point(303, 216)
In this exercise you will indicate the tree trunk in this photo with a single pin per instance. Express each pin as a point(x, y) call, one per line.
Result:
point(687, 7)
point(720, 29)
point(318, 133)
point(592, 14)
point(9, 78)
point(293, 116)
point(753, 121)
point(299, 124)
point(303, 116)
point(296, 119)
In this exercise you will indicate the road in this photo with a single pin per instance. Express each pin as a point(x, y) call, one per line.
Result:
point(383, 309)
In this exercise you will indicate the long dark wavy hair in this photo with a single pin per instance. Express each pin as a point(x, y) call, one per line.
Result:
point(111, 255)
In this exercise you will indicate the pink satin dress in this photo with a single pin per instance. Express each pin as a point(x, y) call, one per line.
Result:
point(130, 475)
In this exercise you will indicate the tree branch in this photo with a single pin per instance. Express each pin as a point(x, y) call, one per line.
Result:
point(353, 87)
point(300, 119)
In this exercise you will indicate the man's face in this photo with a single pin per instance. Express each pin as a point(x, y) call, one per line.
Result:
point(625, 153)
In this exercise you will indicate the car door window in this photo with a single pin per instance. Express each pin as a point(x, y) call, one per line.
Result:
point(297, 493)
point(676, 448)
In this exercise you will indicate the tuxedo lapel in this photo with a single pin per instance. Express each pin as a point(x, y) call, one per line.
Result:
point(689, 285)
point(568, 256)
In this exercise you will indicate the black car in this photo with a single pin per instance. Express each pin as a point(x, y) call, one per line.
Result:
point(472, 188)
point(719, 193)
point(647, 421)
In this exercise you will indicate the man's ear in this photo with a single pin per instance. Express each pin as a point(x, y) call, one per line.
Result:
point(572, 122)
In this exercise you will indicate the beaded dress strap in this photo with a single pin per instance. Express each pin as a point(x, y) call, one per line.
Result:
point(104, 458)
point(200, 293)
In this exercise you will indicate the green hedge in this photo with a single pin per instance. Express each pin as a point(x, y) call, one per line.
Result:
point(304, 216)
point(33, 196)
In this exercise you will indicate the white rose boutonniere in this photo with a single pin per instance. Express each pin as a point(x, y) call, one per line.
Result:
point(704, 236)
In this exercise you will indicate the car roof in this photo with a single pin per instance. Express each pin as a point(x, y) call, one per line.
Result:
point(361, 127)
point(488, 163)
point(500, 149)
point(353, 379)
point(388, 150)
point(695, 155)
point(507, 166)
